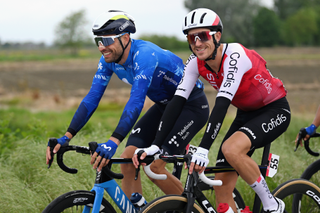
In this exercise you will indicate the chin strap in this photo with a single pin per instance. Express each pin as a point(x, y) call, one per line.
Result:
point(214, 54)
point(123, 49)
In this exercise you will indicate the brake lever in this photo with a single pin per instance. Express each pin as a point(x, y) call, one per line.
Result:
point(300, 137)
point(52, 143)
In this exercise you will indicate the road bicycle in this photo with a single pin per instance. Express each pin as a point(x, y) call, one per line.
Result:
point(93, 201)
point(193, 200)
point(311, 172)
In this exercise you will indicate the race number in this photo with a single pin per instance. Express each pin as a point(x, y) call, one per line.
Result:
point(273, 165)
point(192, 149)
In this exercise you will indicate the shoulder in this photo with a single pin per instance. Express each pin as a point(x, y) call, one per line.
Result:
point(236, 51)
point(234, 47)
point(192, 60)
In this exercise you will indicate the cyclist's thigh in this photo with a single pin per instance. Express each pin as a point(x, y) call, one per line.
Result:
point(262, 126)
point(268, 125)
point(143, 133)
point(191, 120)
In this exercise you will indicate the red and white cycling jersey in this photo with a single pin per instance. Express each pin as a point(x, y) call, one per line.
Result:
point(243, 78)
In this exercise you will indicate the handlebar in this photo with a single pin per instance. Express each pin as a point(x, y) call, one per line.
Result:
point(302, 134)
point(148, 160)
point(178, 158)
point(88, 150)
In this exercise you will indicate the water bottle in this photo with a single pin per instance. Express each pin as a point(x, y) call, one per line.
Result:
point(246, 210)
point(224, 208)
point(138, 200)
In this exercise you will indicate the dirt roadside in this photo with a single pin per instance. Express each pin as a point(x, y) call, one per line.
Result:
point(61, 84)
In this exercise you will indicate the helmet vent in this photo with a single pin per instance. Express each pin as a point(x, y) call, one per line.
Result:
point(202, 17)
point(185, 21)
point(192, 18)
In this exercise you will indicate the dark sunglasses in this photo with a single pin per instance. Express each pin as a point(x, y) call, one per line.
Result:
point(106, 40)
point(202, 36)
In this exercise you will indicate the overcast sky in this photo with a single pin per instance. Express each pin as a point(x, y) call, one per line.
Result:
point(36, 20)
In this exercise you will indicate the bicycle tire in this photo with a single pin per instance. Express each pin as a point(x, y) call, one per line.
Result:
point(66, 203)
point(170, 203)
point(311, 170)
point(236, 194)
point(308, 174)
point(310, 192)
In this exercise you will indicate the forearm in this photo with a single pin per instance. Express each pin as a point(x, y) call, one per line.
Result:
point(168, 119)
point(216, 118)
point(316, 120)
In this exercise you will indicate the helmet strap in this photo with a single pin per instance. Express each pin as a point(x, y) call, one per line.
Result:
point(214, 54)
point(123, 49)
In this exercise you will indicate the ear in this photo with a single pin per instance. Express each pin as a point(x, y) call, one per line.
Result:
point(218, 36)
point(126, 37)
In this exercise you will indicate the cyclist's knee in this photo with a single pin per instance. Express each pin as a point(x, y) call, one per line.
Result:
point(128, 152)
point(158, 166)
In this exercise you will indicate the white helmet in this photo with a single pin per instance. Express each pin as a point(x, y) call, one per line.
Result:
point(202, 18)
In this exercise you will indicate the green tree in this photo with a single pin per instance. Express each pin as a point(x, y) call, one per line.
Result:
point(302, 27)
point(71, 32)
point(286, 8)
point(266, 28)
point(237, 17)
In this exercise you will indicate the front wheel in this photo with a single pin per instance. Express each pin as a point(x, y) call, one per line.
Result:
point(310, 193)
point(169, 203)
point(75, 201)
point(312, 174)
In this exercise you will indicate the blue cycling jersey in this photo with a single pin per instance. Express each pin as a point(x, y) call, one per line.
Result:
point(151, 71)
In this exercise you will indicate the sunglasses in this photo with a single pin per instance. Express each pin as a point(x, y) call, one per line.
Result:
point(201, 36)
point(106, 40)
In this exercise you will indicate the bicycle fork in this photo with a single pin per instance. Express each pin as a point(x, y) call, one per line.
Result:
point(96, 206)
point(192, 193)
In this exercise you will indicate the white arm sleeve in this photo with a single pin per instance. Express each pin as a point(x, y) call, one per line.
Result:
point(190, 76)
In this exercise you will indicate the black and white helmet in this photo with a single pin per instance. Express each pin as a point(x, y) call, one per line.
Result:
point(113, 22)
point(202, 18)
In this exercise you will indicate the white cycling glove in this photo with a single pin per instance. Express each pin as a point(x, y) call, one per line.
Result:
point(153, 149)
point(201, 157)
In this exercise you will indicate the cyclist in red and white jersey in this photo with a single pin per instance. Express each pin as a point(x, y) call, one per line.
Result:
point(242, 79)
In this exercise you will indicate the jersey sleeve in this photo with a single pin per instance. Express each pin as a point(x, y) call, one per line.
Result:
point(144, 67)
point(216, 118)
point(189, 78)
point(236, 64)
point(91, 101)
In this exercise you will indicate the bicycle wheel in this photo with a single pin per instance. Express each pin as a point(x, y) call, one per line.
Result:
point(236, 194)
point(169, 203)
point(310, 201)
point(75, 201)
point(311, 174)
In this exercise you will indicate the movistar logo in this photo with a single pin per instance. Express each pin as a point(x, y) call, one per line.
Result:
point(106, 147)
point(135, 130)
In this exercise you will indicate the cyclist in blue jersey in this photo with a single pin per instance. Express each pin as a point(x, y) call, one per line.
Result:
point(152, 72)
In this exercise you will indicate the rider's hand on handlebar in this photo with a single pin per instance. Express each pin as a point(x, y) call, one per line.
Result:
point(105, 152)
point(61, 141)
point(305, 133)
point(153, 149)
point(199, 160)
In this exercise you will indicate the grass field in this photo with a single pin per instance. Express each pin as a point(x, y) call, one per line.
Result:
point(26, 185)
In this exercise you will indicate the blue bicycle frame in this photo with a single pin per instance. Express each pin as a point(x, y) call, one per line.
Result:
point(115, 192)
